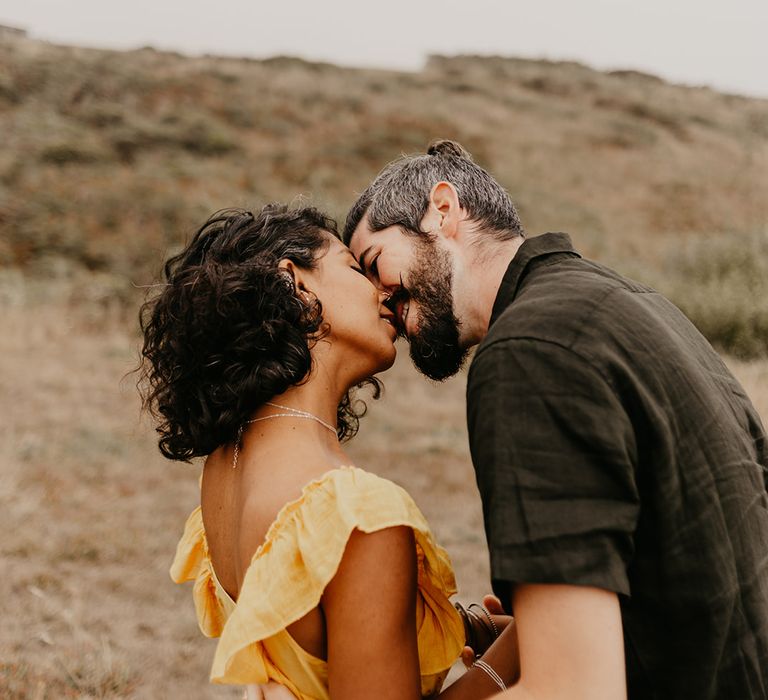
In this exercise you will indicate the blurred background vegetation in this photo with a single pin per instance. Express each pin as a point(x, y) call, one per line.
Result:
point(111, 159)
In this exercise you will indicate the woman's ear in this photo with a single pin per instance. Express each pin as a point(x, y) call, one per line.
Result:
point(297, 277)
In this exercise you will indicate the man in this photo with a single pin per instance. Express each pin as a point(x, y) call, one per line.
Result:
point(622, 469)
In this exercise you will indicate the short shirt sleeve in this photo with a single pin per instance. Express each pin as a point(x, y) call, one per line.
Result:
point(554, 453)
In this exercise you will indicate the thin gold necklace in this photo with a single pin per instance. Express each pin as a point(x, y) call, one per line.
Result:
point(292, 413)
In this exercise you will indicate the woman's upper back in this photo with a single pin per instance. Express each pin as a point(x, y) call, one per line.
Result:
point(239, 504)
point(291, 567)
point(241, 500)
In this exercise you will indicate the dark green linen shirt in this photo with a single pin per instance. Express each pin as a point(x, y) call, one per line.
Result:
point(614, 449)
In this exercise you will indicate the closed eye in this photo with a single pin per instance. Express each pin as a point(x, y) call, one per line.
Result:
point(375, 267)
point(357, 269)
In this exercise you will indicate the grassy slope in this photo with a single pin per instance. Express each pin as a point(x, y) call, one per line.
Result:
point(112, 157)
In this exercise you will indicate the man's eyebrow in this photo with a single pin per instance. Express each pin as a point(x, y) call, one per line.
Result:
point(361, 259)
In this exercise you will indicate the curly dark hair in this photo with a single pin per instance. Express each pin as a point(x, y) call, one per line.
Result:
point(227, 332)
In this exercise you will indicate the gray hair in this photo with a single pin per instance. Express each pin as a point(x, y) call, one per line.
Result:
point(399, 196)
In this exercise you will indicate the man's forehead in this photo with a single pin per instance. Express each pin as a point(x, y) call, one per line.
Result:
point(361, 238)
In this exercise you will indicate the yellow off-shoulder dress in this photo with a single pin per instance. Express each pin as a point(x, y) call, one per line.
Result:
point(289, 572)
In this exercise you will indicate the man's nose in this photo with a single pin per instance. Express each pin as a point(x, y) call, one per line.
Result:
point(377, 283)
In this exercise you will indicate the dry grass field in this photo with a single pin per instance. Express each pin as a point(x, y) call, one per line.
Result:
point(90, 512)
point(111, 159)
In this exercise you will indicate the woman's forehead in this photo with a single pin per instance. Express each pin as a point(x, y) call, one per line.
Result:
point(336, 246)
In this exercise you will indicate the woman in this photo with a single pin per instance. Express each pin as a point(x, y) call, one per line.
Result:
point(315, 574)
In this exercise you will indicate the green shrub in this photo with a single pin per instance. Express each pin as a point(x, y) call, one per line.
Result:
point(196, 134)
point(8, 91)
point(721, 283)
point(205, 137)
point(64, 153)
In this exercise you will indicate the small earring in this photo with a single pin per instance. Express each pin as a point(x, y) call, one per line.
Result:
point(289, 278)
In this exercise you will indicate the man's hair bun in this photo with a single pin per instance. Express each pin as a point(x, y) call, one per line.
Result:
point(445, 147)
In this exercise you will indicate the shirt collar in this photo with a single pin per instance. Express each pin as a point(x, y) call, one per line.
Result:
point(529, 252)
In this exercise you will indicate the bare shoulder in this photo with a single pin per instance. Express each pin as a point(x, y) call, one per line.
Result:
point(381, 563)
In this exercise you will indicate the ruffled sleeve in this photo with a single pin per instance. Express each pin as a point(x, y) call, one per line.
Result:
point(300, 556)
point(192, 563)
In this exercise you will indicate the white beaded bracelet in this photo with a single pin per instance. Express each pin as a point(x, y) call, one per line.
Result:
point(495, 677)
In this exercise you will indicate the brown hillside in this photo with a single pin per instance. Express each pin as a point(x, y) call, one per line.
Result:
point(111, 157)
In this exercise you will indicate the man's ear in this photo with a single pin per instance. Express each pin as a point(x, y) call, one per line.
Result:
point(444, 210)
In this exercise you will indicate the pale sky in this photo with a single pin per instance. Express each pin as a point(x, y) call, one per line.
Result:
point(720, 43)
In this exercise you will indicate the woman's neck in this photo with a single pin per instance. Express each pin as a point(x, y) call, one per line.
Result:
point(299, 423)
point(321, 392)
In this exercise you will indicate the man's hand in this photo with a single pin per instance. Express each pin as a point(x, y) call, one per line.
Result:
point(494, 606)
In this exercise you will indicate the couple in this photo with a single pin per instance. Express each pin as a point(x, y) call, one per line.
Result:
point(621, 467)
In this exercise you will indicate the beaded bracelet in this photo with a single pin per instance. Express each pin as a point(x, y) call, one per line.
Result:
point(469, 630)
point(488, 617)
point(468, 615)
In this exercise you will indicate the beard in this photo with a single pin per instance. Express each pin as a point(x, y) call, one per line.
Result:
point(435, 348)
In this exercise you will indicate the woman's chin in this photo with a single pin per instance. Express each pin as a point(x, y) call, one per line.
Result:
point(392, 358)
point(364, 360)
point(386, 360)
